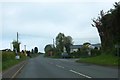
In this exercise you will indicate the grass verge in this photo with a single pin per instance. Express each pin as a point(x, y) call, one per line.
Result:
point(8, 59)
point(0, 66)
point(105, 60)
point(0, 61)
point(10, 63)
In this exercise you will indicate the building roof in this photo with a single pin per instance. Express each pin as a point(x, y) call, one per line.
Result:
point(79, 46)
point(96, 45)
point(75, 46)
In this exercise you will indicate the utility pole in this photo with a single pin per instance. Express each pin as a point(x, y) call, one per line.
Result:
point(17, 37)
point(18, 44)
point(53, 42)
point(17, 49)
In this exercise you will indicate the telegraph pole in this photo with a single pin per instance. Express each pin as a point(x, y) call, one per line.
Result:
point(17, 49)
point(17, 37)
point(18, 44)
point(53, 42)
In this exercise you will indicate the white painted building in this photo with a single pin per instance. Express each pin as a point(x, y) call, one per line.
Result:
point(74, 48)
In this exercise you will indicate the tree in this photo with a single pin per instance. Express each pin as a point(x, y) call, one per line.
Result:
point(67, 43)
point(85, 50)
point(86, 44)
point(48, 50)
point(63, 41)
point(107, 25)
point(35, 50)
point(59, 42)
point(16, 46)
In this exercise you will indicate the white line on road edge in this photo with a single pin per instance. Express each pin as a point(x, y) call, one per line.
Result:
point(59, 66)
point(10, 69)
point(80, 74)
point(18, 71)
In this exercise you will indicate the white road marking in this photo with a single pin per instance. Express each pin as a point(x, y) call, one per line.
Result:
point(18, 71)
point(80, 74)
point(9, 69)
point(59, 66)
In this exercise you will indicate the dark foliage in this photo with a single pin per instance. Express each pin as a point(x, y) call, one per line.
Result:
point(108, 26)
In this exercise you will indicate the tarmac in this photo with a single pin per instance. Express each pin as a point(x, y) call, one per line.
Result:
point(13, 71)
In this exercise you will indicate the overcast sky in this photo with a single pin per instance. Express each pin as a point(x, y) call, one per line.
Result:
point(38, 22)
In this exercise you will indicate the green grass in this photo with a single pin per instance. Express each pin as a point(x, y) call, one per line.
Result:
point(0, 66)
point(0, 61)
point(106, 60)
point(8, 59)
point(9, 64)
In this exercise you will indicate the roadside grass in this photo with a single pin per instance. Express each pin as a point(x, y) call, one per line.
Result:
point(9, 64)
point(103, 59)
point(0, 61)
point(0, 66)
point(8, 59)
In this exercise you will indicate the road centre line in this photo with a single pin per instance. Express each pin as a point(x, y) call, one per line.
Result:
point(59, 66)
point(80, 74)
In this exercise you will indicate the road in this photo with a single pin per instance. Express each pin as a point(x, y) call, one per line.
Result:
point(41, 67)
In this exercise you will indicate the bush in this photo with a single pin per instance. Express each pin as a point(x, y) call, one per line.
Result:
point(7, 56)
point(75, 54)
point(10, 56)
point(95, 52)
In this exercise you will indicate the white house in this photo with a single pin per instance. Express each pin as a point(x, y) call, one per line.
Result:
point(74, 48)
point(98, 46)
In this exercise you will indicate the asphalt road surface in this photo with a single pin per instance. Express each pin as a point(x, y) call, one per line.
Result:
point(41, 67)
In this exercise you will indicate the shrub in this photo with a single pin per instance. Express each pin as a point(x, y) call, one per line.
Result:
point(95, 52)
point(7, 56)
point(75, 54)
